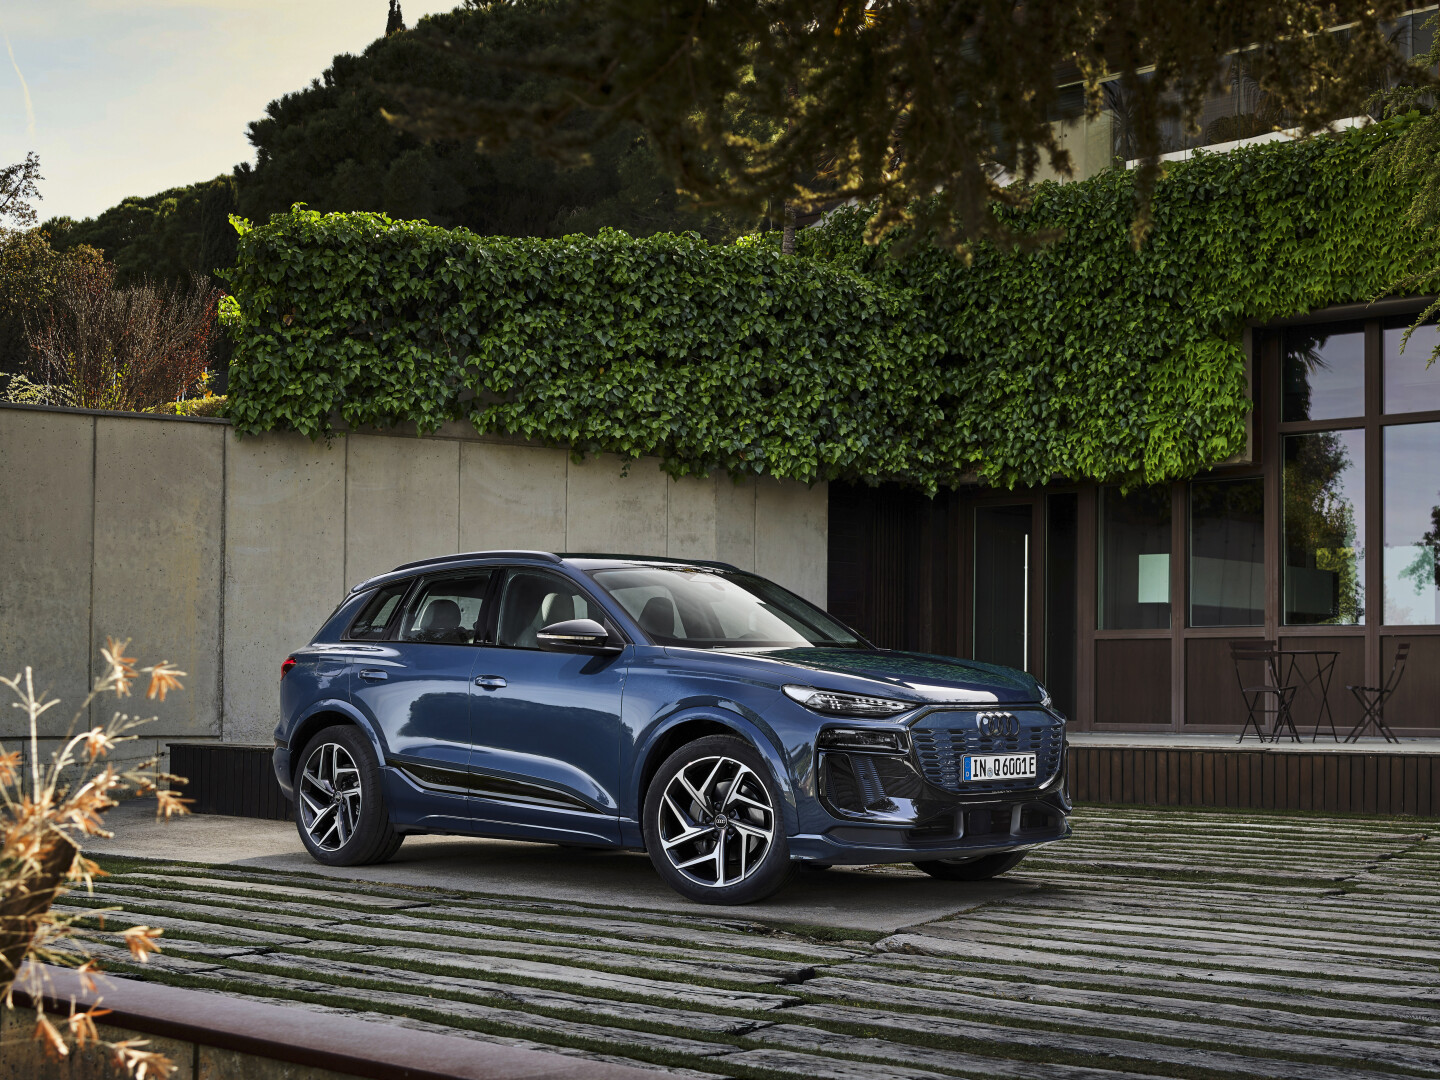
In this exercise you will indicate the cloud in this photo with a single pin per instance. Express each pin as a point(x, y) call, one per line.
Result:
point(24, 89)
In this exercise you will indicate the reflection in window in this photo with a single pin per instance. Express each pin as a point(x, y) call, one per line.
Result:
point(1411, 385)
point(1325, 528)
point(1227, 552)
point(1412, 525)
point(1324, 373)
point(1135, 559)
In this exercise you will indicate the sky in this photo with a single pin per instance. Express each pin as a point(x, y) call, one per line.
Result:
point(130, 97)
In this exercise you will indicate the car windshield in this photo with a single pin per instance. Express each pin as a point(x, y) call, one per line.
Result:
point(717, 609)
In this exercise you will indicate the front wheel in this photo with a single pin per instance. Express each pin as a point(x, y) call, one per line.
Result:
point(713, 826)
point(339, 811)
point(981, 869)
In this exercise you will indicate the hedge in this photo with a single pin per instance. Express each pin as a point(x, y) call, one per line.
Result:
point(1084, 358)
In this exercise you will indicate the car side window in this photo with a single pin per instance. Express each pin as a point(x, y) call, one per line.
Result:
point(374, 617)
point(535, 600)
point(448, 610)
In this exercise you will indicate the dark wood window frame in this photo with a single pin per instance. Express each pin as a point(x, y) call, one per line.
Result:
point(1264, 345)
point(1374, 631)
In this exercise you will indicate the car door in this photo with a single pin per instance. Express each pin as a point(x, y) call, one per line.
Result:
point(546, 758)
point(415, 685)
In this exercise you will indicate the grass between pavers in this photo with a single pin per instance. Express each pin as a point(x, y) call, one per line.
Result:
point(1128, 848)
point(897, 1036)
point(975, 1013)
point(252, 903)
point(117, 866)
point(518, 952)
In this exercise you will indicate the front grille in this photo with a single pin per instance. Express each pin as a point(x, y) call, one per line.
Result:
point(947, 737)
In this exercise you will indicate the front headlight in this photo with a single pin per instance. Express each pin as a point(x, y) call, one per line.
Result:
point(835, 703)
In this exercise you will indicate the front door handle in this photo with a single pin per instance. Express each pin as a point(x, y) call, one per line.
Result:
point(490, 682)
point(374, 673)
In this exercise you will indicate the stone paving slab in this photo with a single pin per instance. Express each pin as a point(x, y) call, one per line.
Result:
point(1167, 943)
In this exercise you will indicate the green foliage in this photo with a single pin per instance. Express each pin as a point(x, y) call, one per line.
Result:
point(30, 271)
point(330, 147)
point(1084, 358)
point(167, 236)
point(908, 106)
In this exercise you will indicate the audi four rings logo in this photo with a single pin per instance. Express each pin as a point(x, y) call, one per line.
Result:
point(999, 723)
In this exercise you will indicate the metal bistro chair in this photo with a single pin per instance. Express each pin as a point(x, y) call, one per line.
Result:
point(1372, 699)
point(1266, 654)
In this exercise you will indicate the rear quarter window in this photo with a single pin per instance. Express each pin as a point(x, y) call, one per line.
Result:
point(375, 616)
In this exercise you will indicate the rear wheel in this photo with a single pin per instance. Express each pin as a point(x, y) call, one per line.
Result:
point(982, 869)
point(713, 825)
point(339, 810)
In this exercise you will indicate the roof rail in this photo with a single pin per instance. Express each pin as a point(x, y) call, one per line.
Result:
point(549, 556)
point(712, 563)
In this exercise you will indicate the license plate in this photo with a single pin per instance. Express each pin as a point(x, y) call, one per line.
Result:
point(1000, 767)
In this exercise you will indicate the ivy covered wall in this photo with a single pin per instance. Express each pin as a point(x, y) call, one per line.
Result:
point(1084, 358)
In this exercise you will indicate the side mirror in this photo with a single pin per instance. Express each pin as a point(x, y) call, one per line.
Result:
point(576, 635)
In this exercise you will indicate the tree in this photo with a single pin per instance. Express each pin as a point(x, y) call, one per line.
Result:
point(17, 188)
point(30, 272)
point(128, 348)
point(395, 22)
point(168, 236)
point(922, 109)
point(330, 147)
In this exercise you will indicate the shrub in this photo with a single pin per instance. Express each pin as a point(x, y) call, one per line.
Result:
point(131, 348)
point(1083, 358)
point(45, 813)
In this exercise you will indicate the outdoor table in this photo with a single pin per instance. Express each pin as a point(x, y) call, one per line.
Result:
point(1324, 661)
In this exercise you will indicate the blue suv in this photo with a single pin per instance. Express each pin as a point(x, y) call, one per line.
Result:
point(690, 709)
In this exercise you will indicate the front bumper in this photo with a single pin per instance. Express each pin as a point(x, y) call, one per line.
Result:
point(971, 828)
point(913, 806)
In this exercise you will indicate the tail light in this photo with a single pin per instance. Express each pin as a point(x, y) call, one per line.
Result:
point(286, 665)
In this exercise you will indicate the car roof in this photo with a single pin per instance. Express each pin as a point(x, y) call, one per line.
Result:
point(579, 560)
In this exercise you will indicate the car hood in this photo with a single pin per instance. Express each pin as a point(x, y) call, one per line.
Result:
point(911, 676)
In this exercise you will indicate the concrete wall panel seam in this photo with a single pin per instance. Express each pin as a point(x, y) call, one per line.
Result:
point(222, 556)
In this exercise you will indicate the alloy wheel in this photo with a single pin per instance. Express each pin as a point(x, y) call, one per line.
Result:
point(716, 822)
point(330, 796)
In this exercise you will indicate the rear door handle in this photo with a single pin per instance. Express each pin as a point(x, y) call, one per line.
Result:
point(374, 673)
point(490, 682)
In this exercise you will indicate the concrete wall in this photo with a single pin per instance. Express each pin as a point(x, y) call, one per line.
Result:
point(223, 554)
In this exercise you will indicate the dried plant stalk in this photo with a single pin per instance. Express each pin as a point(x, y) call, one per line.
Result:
point(46, 810)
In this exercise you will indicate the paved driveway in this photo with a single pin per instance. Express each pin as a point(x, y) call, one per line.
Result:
point(1155, 943)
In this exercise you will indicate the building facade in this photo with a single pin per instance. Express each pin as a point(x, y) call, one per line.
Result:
point(1324, 535)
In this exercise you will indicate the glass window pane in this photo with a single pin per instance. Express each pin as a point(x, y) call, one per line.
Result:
point(1135, 559)
point(1324, 372)
point(1412, 524)
point(1411, 385)
point(1325, 528)
point(534, 601)
point(371, 623)
point(1062, 592)
point(1227, 552)
point(1002, 585)
point(447, 610)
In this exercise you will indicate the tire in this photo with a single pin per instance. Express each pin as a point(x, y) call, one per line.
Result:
point(981, 869)
point(712, 811)
point(344, 823)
